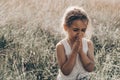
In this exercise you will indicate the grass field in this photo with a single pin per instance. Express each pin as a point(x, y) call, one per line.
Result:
point(30, 29)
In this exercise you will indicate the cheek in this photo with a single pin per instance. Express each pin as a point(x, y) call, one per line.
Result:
point(72, 35)
point(83, 34)
point(75, 35)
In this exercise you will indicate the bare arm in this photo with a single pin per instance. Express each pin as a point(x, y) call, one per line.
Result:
point(88, 60)
point(66, 64)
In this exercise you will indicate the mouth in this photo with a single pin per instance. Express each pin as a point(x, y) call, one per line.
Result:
point(76, 37)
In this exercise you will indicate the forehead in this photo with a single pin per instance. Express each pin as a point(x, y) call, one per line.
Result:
point(79, 24)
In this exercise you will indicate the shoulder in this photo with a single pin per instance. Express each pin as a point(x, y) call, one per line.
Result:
point(60, 53)
point(90, 44)
point(59, 45)
point(90, 50)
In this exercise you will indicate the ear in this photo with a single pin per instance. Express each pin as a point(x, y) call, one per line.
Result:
point(65, 27)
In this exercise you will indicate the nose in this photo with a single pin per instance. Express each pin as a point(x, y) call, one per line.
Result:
point(79, 32)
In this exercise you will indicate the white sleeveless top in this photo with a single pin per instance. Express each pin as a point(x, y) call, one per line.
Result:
point(78, 70)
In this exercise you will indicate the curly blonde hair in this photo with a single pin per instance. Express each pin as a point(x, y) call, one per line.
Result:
point(74, 13)
point(77, 13)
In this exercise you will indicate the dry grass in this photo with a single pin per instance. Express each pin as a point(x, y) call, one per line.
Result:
point(30, 29)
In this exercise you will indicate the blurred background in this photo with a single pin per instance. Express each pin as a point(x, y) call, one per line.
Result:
point(30, 29)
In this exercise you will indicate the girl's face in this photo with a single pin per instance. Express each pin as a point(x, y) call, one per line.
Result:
point(77, 28)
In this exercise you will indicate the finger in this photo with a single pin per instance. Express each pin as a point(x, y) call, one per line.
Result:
point(81, 35)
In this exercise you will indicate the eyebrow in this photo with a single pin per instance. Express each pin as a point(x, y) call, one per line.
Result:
point(79, 29)
point(84, 28)
point(75, 28)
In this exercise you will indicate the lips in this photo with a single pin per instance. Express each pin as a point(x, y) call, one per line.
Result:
point(76, 37)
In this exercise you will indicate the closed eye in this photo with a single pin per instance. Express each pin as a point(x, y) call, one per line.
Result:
point(75, 30)
point(83, 30)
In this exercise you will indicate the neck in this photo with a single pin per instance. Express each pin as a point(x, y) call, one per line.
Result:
point(70, 41)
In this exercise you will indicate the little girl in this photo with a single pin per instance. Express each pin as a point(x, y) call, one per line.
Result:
point(75, 53)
